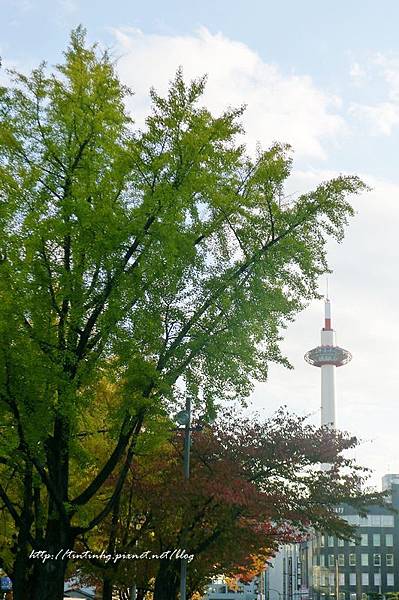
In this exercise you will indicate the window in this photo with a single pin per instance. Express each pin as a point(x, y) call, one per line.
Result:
point(331, 578)
point(322, 560)
point(364, 539)
point(389, 560)
point(341, 542)
point(390, 579)
point(365, 597)
point(387, 521)
point(376, 539)
point(377, 560)
point(324, 580)
point(330, 541)
point(322, 541)
point(377, 579)
point(371, 520)
point(331, 560)
point(352, 542)
point(342, 596)
point(389, 539)
point(364, 560)
point(341, 560)
point(341, 580)
point(352, 560)
point(352, 578)
point(352, 596)
point(365, 578)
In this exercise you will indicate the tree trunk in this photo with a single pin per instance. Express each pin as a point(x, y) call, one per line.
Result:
point(49, 575)
point(49, 584)
point(107, 588)
point(22, 565)
point(20, 582)
point(167, 581)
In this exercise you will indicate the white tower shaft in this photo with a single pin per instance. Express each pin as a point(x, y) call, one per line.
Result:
point(327, 373)
point(328, 396)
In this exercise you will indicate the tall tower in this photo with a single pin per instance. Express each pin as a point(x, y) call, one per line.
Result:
point(327, 356)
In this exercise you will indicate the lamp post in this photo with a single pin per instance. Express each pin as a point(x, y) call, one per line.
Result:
point(184, 418)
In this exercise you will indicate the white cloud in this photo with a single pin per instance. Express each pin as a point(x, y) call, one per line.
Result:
point(383, 72)
point(357, 73)
point(381, 118)
point(288, 108)
point(389, 68)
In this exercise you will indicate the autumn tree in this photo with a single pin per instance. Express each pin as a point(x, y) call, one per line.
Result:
point(157, 257)
point(254, 485)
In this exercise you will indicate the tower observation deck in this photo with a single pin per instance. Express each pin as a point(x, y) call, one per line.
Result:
point(327, 356)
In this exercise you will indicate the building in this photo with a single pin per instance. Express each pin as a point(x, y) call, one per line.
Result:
point(388, 480)
point(364, 568)
point(283, 578)
point(219, 590)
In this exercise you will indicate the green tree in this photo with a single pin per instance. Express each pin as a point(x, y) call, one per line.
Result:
point(158, 257)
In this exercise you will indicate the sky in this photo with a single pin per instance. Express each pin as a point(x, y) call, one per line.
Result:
point(322, 76)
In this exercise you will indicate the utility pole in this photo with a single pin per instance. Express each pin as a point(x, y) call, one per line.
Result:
point(186, 473)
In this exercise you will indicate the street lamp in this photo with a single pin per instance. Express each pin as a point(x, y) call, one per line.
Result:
point(183, 418)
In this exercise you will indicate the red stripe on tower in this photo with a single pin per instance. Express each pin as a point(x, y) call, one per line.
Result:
point(327, 315)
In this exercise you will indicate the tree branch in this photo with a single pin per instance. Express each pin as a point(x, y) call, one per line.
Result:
point(121, 479)
point(111, 463)
point(231, 279)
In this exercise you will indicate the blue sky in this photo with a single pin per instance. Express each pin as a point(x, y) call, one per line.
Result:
point(301, 34)
point(319, 39)
point(321, 75)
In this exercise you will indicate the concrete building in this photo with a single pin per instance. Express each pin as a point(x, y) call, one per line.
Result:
point(254, 590)
point(284, 579)
point(364, 568)
point(388, 480)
